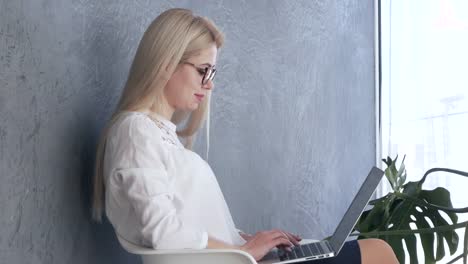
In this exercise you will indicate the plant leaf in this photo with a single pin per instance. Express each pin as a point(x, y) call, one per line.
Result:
point(373, 218)
point(410, 242)
point(440, 196)
point(400, 177)
point(392, 216)
point(427, 240)
point(397, 245)
point(397, 213)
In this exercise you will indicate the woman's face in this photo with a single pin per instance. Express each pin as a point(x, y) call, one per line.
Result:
point(184, 90)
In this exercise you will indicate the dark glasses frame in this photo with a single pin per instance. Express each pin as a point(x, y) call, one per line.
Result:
point(208, 74)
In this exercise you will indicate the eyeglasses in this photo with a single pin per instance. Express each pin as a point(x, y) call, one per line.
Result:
point(208, 73)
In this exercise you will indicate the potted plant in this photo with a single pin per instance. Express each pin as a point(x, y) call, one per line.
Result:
point(409, 210)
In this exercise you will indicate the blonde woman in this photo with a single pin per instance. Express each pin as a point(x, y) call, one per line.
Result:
point(156, 191)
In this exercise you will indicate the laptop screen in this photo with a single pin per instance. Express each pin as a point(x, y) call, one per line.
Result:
point(355, 209)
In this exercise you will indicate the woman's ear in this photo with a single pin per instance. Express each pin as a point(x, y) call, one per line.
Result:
point(166, 69)
point(165, 76)
point(166, 73)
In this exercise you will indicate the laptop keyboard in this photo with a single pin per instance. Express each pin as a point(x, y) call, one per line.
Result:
point(306, 250)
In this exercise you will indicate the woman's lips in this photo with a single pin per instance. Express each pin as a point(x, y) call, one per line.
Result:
point(199, 97)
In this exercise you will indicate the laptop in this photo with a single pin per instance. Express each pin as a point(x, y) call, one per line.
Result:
point(331, 246)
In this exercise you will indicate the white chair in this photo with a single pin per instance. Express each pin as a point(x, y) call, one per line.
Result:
point(204, 256)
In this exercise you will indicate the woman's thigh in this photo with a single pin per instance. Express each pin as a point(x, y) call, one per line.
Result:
point(350, 254)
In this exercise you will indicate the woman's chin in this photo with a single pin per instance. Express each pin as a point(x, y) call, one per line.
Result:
point(193, 107)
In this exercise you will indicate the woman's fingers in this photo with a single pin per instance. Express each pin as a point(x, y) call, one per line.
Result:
point(293, 238)
point(264, 241)
point(281, 241)
point(273, 234)
point(297, 237)
point(279, 238)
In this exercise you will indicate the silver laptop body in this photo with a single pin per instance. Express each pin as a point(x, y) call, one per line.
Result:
point(331, 247)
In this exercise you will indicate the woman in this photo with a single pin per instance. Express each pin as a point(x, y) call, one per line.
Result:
point(158, 193)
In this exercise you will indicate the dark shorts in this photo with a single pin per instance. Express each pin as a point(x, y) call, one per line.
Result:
point(350, 253)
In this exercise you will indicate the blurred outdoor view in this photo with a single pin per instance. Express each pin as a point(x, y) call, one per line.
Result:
point(424, 46)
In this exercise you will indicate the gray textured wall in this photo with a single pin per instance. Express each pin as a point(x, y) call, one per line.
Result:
point(292, 117)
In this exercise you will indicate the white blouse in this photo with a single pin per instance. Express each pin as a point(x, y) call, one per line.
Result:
point(158, 193)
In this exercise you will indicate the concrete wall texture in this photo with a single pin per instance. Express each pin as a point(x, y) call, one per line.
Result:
point(292, 132)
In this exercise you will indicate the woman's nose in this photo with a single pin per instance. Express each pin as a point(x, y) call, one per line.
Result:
point(209, 85)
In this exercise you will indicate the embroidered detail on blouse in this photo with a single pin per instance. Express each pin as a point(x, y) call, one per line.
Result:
point(168, 134)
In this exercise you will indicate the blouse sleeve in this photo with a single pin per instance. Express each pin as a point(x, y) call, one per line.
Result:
point(141, 176)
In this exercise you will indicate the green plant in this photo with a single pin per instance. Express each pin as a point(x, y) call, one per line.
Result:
point(410, 210)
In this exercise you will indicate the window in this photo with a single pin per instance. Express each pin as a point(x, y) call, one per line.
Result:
point(424, 92)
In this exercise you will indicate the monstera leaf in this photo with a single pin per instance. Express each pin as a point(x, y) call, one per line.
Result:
point(408, 210)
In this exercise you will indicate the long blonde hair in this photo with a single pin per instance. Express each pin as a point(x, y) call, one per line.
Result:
point(173, 37)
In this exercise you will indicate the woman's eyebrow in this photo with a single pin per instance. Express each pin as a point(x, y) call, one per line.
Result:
point(207, 64)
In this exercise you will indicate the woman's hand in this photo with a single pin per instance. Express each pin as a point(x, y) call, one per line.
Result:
point(295, 239)
point(262, 242)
